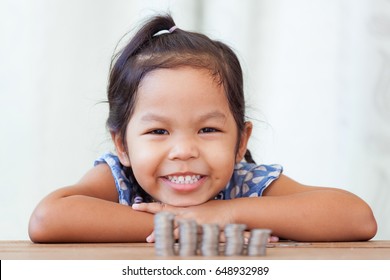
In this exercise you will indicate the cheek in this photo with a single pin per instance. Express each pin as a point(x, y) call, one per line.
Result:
point(222, 159)
point(144, 160)
point(224, 150)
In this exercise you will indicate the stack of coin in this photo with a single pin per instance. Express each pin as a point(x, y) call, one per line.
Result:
point(234, 234)
point(258, 242)
point(163, 234)
point(210, 240)
point(188, 237)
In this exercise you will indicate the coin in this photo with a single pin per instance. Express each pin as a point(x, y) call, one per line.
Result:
point(258, 241)
point(163, 234)
point(234, 234)
point(188, 237)
point(210, 240)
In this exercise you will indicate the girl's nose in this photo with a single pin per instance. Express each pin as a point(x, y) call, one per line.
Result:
point(184, 149)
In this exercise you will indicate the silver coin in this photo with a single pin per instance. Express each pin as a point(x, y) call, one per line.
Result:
point(258, 242)
point(234, 234)
point(210, 240)
point(188, 237)
point(163, 234)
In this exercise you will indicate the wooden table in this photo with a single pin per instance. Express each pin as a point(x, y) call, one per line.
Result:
point(26, 250)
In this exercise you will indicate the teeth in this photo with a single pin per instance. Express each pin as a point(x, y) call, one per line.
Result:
point(184, 179)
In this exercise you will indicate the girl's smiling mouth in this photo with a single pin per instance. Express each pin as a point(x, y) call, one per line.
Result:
point(184, 179)
point(184, 182)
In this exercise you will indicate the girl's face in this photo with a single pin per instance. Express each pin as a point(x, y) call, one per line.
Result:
point(182, 137)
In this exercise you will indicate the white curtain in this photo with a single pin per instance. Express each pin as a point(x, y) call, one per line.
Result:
point(317, 76)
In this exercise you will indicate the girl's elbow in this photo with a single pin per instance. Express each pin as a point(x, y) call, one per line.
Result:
point(37, 227)
point(367, 226)
point(35, 232)
point(369, 229)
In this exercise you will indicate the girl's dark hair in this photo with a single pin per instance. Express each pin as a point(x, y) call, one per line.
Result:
point(146, 52)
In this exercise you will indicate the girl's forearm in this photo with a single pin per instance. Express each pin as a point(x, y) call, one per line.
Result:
point(80, 218)
point(323, 215)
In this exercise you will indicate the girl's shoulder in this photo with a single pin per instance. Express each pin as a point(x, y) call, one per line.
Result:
point(113, 162)
point(250, 180)
point(122, 182)
point(109, 158)
point(245, 168)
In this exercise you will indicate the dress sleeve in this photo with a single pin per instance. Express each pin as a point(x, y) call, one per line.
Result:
point(250, 180)
point(122, 183)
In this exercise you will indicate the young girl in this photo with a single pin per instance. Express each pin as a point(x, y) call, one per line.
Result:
point(176, 117)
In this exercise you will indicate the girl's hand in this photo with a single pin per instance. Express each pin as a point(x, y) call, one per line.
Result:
point(213, 211)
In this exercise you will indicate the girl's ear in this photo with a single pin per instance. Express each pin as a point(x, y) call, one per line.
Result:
point(120, 149)
point(246, 134)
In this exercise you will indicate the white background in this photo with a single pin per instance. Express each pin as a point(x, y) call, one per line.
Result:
point(317, 76)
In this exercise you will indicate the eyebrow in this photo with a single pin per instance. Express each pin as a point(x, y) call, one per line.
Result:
point(152, 117)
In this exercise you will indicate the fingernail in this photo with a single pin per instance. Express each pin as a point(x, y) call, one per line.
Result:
point(274, 239)
point(149, 239)
point(135, 206)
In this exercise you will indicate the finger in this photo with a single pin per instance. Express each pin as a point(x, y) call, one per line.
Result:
point(222, 237)
point(150, 238)
point(247, 235)
point(153, 207)
point(176, 233)
point(272, 239)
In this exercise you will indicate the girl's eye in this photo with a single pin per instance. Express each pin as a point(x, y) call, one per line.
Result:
point(159, 132)
point(208, 130)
